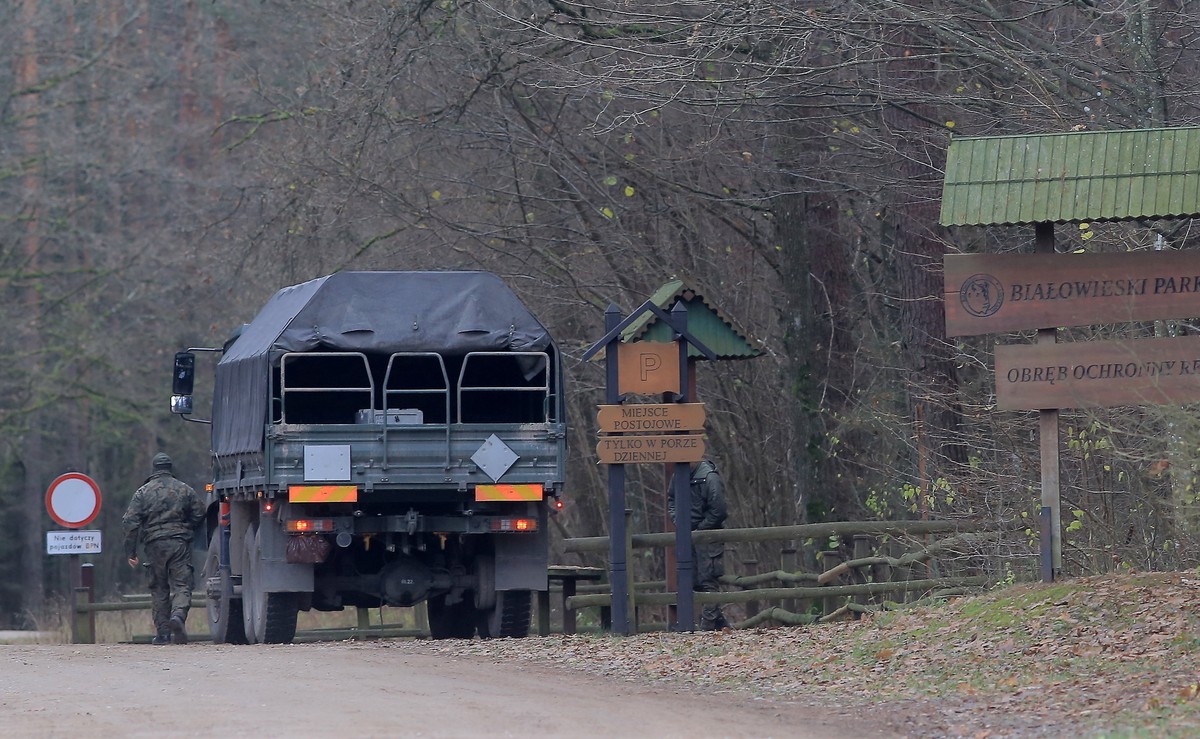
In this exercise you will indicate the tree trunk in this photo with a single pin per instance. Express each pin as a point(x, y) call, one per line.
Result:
point(33, 495)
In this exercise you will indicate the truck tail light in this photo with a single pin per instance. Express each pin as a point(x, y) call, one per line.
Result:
point(515, 525)
point(306, 525)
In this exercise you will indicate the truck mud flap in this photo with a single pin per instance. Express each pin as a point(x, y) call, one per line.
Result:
point(278, 575)
point(522, 560)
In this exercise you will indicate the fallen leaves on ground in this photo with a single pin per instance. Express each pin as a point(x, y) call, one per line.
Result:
point(1114, 655)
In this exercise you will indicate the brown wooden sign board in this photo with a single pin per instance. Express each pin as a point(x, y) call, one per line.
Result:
point(650, 449)
point(648, 367)
point(988, 293)
point(650, 417)
point(1098, 374)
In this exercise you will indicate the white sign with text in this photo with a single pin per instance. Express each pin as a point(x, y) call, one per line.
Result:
point(72, 542)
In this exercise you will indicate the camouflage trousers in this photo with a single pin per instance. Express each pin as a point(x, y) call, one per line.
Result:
point(709, 561)
point(170, 579)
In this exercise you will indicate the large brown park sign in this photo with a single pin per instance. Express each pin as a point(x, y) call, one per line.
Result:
point(988, 293)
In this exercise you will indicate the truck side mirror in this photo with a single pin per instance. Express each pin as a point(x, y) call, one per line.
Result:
point(182, 382)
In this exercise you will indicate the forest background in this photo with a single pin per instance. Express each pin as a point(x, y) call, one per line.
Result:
point(166, 166)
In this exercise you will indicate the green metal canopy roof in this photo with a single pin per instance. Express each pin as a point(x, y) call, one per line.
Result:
point(1078, 176)
point(706, 322)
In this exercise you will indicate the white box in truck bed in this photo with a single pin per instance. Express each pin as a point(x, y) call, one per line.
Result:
point(398, 416)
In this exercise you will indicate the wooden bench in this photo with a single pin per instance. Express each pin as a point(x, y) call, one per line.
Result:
point(569, 577)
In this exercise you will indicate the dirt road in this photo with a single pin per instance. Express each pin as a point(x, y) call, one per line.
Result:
point(377, 689)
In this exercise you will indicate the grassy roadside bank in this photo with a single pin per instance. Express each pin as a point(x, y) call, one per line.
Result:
point(1110, 656)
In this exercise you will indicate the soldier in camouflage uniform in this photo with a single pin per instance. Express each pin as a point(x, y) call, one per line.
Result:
point(708, 512)
point(162, 516)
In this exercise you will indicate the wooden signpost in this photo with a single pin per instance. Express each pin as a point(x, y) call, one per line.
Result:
point(986, 293)
point(669, 376)
point(1074, 177)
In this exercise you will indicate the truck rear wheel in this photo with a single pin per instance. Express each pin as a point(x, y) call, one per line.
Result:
point(450, 621)
point(224, 613)
point(268, 618)
point(508, 617)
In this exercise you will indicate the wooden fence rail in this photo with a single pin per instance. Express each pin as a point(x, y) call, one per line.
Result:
point(870, 575)
point(129, 604)
point(828, 591)
point(779, 533)
point(800, 587)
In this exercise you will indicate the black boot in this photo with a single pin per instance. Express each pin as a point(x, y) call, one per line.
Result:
point(162, 637)
point(178, 633)
point(713, 620)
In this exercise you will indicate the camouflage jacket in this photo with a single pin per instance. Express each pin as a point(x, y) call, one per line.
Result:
point(708, 498)
point(161, 508)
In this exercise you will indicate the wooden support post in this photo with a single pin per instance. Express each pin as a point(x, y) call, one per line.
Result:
point(752, 606)
point(903, 573)
point(672, 574)
point(568, 617)
point(569, 577)
point(631, 596)
point(1047, 554)
point(685, 560)
point(787, 563)
point(1048, 429)
point(83, 622)
point(862, 550)
point(831, 558)
point(543, 610)
point(881, 573)
point(364, 622)
point(421, 618)
point(87, 580)
point(618, 515)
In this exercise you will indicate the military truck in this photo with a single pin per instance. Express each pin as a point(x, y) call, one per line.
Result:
point(381, 438)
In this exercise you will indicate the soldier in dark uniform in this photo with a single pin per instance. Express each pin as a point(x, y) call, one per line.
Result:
point(162, 515)
point(708, 512)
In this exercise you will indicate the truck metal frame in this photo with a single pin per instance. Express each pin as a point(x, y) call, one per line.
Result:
point(387, 471)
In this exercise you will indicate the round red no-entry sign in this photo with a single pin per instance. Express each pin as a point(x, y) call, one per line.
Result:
point(73, 500)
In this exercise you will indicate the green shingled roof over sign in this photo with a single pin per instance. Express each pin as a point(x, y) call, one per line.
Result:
point(1077, 176)
point(706, 322)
